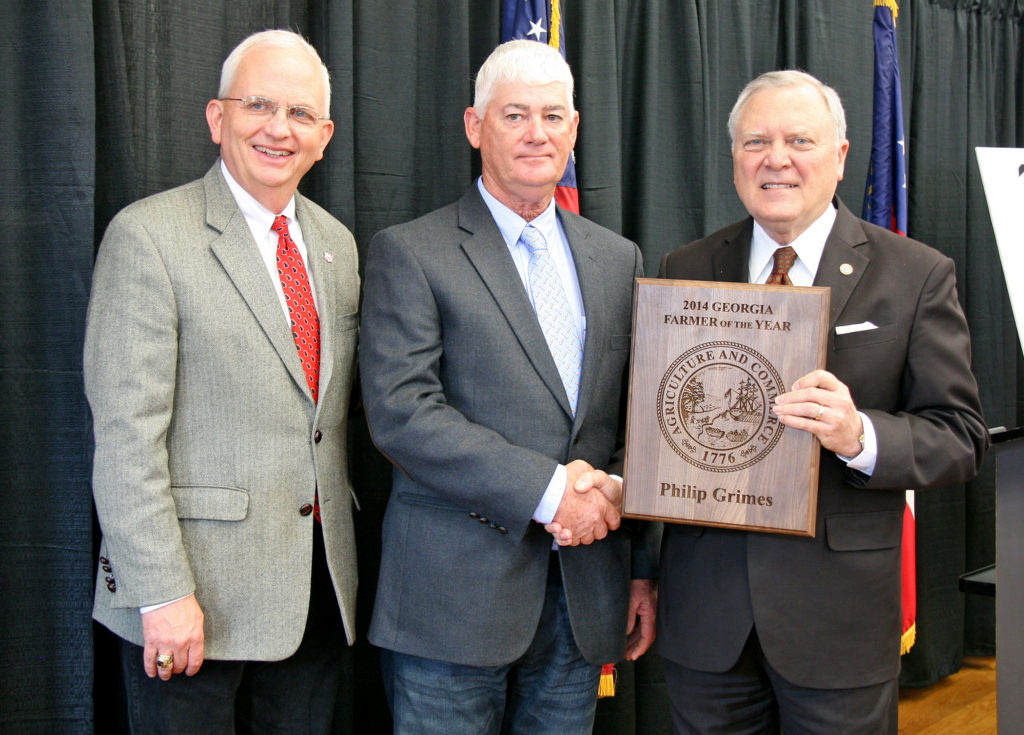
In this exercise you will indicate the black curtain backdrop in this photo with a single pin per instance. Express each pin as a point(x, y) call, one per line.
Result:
point(104, 104)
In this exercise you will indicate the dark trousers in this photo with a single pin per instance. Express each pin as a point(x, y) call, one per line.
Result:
point(753, 699)
point(295, 696)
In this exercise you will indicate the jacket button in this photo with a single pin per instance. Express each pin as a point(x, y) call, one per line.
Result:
point(482, 519)
point(306, 509)
point(104, 560)
point(473, 514)
point(502, 530)
point(112, 587)
point(317, 436)
point(107, 568)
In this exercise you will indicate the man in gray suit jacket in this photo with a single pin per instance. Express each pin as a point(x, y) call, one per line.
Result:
point(219, 383)
point(485, 627)
point(762, 631)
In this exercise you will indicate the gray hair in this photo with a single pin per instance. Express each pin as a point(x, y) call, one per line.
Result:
point(273, 39)
point(789, 78)
point(521, 61)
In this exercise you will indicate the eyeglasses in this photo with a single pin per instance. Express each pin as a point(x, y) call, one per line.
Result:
point(266, 109)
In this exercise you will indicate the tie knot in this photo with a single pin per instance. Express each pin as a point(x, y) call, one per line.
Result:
point(532, 238)
point(280, 225)
point(783, 258)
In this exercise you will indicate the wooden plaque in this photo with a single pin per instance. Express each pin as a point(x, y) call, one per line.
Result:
point(702, 443)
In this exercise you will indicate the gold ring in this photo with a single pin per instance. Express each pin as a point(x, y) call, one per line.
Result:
point(821, 411)
point(165, 660)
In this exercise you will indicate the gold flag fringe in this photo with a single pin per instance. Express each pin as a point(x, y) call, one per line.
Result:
point(554, 40)
point(892, 5)
point(910, 635)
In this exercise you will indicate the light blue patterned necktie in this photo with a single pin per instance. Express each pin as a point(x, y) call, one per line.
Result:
point(553, 313)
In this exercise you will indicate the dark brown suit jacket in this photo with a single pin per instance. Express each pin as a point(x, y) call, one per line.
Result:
point(827, 609)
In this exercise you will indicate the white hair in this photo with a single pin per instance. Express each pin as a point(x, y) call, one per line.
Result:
point(525, 62)
point(789, 78)
point(273, 39)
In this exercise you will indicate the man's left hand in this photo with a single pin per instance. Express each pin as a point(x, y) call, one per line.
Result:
point(821, 404)
point(643, 610)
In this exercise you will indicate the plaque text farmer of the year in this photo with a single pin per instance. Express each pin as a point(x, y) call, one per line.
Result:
point(703, 445)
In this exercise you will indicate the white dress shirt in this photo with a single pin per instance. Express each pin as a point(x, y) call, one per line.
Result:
point(260, 220)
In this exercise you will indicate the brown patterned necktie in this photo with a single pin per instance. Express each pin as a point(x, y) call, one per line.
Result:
point(784, 258)
point(302, 316)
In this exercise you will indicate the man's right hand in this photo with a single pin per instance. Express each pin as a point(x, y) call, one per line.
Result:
point(589, 507)
point(175, 629)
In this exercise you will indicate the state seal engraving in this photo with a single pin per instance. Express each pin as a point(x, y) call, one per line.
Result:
point(714, 406)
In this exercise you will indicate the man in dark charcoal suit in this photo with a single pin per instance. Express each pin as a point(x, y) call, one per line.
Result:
point(762, 631)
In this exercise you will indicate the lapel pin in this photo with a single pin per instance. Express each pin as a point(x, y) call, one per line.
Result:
point(846, 269)
point(329, 257)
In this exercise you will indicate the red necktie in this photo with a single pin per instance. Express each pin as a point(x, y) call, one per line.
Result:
point(784, 258)
point(302, 314)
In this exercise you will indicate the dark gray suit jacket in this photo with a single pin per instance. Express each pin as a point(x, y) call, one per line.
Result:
point(827, 609)
point(463, 396)
point(208, 441)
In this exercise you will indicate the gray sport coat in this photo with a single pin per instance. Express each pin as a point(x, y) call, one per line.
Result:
point(463, 396)
point(208, 441)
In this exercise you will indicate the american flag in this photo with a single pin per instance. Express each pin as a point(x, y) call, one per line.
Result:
point(541, 20)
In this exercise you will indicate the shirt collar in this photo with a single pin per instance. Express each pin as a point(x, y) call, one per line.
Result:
point(511, 225)
point(259, 218)
point(809, 245)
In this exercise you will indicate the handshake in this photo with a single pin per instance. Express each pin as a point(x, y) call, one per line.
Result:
point(590, 507)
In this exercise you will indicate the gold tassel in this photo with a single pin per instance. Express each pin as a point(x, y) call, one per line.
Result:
point(607, 686)
point(908, 638)
point(892, 5)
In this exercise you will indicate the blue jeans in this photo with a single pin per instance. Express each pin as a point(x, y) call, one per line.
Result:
point(550, 689)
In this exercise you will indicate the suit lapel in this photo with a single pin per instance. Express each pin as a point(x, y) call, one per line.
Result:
point(486, 249)
point(591, 280)
point(730, 260)
point(842, 264)
point(238, 254)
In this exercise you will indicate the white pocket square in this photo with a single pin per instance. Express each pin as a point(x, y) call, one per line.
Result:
point(849, 328)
